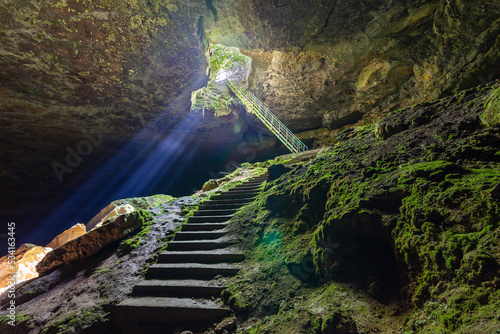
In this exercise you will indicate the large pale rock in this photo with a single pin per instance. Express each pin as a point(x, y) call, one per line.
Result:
point(210, 185)
point(98, 218)
point(24, 264)
point(119, 210)
point(5, 269)
point(92, 242)
point(68, 235)
point(26, 268)
point(123, 206)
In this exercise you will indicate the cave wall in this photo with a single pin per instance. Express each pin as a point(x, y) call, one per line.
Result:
point(327, 63)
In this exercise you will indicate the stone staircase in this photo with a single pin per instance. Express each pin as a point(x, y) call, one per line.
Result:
point(183, 286)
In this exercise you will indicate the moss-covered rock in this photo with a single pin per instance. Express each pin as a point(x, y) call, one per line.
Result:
point(409, 219)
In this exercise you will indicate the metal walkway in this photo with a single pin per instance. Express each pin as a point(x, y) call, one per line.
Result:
point(272, 122)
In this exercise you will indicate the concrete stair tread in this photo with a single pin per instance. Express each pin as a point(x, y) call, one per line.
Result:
point(191, 270)
point(181, 282)
point(235, 195)
point(200, 256)
point(168, 302)
point(241, 191)
point(169, 310)
point(195, 235)
point(221, 216)
point(204, 226)
point(195, 265)
point(214, 199)
point(216, 212)
point(215, 205)
point(209, 219)
point(201, 244)
point(179, 288)
point(206, 252)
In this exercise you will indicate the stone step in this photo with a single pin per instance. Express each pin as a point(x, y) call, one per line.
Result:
point(198, 245)
point(210, 256)
point(239, 192)
point(215, 212)
point(249, 185)
point(169, 310)
point(190, 270)
point(204, 226)
point(245, 187)
point(199, 235)
point(209, 219)
point(225, 203)
point(177, 288)
point(234, 196)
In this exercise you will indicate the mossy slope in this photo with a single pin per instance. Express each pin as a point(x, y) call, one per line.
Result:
point(404, 229)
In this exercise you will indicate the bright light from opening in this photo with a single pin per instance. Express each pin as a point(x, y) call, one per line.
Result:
point(222, 75)
point(228, 63)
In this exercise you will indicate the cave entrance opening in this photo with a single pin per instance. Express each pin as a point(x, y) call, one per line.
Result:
point(227, 62)
point(229, 70)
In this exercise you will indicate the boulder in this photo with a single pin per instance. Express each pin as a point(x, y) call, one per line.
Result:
point(26, 267)
point(127, 205)
point(68, 235)
point(92, 242)
point(98, 218)
point(26, 257)
point(210, 185)
point(113, 214)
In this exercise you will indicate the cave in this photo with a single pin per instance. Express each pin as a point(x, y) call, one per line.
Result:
point(127, 123)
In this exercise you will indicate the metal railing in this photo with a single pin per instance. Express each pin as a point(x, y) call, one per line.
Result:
point(272, 122)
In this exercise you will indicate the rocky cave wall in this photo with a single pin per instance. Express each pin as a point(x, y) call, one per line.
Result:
point(328, 63)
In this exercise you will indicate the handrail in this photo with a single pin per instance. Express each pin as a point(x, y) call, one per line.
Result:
point(267, 117)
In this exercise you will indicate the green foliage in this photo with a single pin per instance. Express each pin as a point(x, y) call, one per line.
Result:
point(215, 98)
point(491, 114)
point(228, 59)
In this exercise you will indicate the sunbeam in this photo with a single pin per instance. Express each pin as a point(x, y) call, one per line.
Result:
point(150, 157)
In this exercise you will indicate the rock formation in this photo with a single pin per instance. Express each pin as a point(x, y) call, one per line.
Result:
point(22, 267)
point(68, 235)
point(92, 242)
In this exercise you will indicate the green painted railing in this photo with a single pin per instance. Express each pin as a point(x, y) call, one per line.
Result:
point(272, 122)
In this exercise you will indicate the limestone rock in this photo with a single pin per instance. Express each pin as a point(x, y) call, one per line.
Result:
point(128, 205)
point(119, 210)
point(68, 235)
point(98, 218)
point(92, 242)
point(210, 185)
point(27, 264)
point(26, 257)
point(4, 263)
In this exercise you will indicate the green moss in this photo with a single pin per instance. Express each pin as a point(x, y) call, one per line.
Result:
point(82, 319)
point(134, 241)
point(491, 114)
